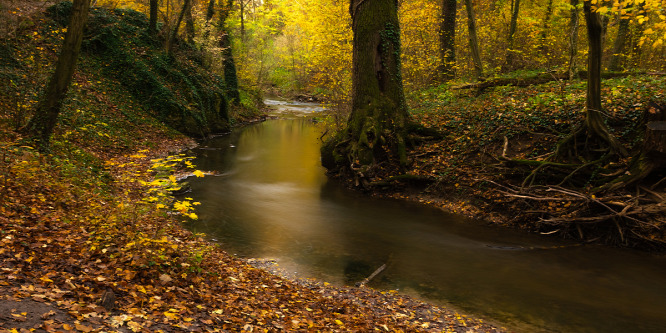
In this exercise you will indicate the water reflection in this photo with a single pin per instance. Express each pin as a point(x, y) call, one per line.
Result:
point(273, 200)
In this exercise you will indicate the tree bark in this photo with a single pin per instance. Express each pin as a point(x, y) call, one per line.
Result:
point(40, 127)
point(594, 31)
point(619, 44)
point(230, 74)
point(376, 128)
point(189, 24)
point(152, 25)
point(546, 25)
point(242, 18)
point(473, 40)
point(574, 23)
point(594, 118)
point(447, 39)
point(210, 11)
point(513, 27)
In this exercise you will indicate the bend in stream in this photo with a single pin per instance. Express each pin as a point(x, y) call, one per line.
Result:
point(271, 199)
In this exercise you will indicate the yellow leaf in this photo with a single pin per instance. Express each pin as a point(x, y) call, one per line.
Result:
point(198, 173)
point(337, 321)
point(171, 315)
point(135, 327)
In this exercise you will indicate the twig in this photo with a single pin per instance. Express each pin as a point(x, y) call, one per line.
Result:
point(375, 273)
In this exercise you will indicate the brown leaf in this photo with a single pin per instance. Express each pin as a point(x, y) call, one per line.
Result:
point(48, 314)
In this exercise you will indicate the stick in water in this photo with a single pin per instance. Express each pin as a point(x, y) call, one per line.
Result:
point(375, 273)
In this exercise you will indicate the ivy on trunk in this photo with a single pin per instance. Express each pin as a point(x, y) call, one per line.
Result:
point(376, 129)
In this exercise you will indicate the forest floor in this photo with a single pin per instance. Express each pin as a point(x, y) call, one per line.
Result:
point(469, 170)
point(91, 241)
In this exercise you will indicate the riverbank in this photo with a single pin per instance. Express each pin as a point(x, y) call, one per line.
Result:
point(117, 263)
point(479, 168)
point(91, 241)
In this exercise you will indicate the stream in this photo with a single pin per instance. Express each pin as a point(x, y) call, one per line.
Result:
point(271, 199)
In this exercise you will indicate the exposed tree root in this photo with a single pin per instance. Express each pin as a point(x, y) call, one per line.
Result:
point(594, 163)
point(631, 218)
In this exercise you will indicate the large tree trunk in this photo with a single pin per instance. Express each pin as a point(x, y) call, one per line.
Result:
point(619, 45)
point(152, 25)
point(376, 128)
point(40, 127)
point(447, 39)
point(574, 23)
point(473, 40)
point(513, 27)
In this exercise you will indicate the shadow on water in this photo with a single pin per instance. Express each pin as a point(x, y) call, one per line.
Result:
point(272, 200)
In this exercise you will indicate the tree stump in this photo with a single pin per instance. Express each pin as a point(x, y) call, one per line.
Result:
point(655, 135)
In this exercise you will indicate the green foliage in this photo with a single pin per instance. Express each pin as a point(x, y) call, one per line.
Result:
point(179, 92)
point(476, 123)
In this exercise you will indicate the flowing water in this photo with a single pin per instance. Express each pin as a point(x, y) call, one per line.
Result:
point(271, 199)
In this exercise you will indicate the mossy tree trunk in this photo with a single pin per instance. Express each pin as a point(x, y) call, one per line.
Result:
point(447, 39)
point(230, 74)
point(40, 127)
point(376, 128)
point(473, 40)
point(152, 24)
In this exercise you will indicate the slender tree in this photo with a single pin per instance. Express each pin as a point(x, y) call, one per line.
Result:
point(546, 25)
point(447, 39)
point(241, 4)
point(620, 42)
point(473, 40)
point(210, 11)
point(40, 127)
point(513, 27)
point(376, 128)
point(594, 117)
point(230, 74)
point(189, 23)
point(574, 23)
point(174, 32)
